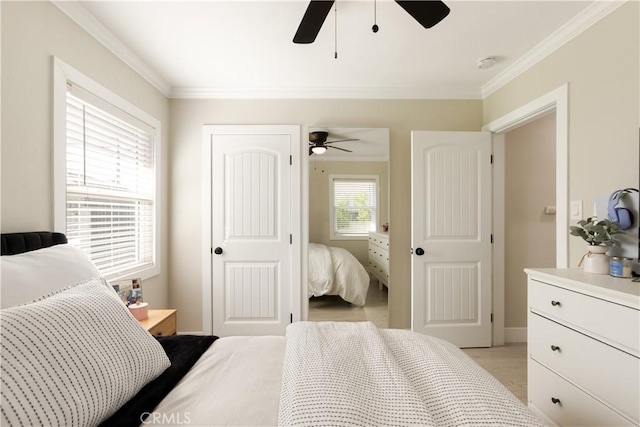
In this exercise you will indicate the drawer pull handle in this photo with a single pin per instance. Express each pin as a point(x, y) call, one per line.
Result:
point(555, 348)
point(555, 303)
point(556, 401)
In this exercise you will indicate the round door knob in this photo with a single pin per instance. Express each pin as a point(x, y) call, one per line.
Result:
point(419, 251)
point(217, 250)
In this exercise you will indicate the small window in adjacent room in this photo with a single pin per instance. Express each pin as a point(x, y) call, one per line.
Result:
point(353, 206)
point(110, 180)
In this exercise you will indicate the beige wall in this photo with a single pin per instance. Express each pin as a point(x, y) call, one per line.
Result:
point(33, 32)
point(320, 202)
point(530, 185)
point(602, 67)
point(400, 116)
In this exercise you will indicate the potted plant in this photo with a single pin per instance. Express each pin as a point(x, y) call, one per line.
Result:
point(599, 234)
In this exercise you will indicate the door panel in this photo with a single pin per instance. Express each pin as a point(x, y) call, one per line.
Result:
point(451, 223)
point(251, 224)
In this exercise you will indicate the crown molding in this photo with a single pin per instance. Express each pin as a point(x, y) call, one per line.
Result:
point(322, 93)
point(90, 24)
point(592, 14)
point(585, 19)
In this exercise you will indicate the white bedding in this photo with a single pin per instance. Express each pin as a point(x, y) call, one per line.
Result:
point(338, 373)
point(335, 271)
point(236, 382)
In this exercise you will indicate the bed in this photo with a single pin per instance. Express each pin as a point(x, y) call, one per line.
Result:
point(335, 271)
point(73, 355)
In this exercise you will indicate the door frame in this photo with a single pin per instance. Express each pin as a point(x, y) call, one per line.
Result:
point(296, 207)
point(558, 100)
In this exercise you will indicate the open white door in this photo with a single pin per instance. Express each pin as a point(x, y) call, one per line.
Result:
point(451, 236)
point(253, 253)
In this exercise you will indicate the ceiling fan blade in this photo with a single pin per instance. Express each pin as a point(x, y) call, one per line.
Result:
point(338, 148)
point(342, 140)
point(312, 21)
point(427, 12)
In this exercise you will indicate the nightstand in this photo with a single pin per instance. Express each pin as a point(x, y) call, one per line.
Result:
point(160, 322)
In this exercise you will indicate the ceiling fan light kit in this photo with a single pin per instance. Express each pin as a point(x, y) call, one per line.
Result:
point(318, 149)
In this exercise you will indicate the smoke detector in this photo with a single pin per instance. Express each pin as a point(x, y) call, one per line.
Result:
point(487, 62)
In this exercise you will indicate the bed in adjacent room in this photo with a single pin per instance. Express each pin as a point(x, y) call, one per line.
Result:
point(335, 271)
point(73, 355)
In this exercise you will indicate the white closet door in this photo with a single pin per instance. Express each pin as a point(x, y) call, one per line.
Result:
point(451, 236)
point(252, 274)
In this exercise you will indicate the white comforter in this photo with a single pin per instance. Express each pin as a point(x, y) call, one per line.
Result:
point(335, 271)
point(236, 382)
point(355, 374)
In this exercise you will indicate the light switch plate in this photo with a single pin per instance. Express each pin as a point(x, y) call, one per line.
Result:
point(575, 210)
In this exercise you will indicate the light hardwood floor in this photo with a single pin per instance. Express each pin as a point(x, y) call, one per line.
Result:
point(507, 363)
point(333, 308)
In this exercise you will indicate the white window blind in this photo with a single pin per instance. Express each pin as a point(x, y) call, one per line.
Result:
point(354, 206)
point(110, 184)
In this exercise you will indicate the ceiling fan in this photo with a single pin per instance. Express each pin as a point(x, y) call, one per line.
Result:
point(318, 143)
point(427, 12)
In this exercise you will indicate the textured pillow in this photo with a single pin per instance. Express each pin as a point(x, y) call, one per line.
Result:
point(27, 276)
point(73, 358)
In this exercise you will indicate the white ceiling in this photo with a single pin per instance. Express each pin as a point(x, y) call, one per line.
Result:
point(244, 48)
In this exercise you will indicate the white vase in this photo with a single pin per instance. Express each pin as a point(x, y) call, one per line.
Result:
point(595, 260)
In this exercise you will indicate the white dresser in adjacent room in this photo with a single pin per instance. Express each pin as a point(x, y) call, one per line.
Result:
point(379, 257)
point(584, 348)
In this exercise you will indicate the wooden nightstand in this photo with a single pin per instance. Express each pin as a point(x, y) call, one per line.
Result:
point(160, 322)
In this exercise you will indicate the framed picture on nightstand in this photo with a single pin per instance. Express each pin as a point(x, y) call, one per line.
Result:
point(130, 290)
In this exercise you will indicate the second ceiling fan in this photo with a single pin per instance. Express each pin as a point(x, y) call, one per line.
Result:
point(427, 12)
point(318, 143)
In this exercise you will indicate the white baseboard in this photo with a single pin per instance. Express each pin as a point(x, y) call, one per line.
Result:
point(189, 333)
point(513, 335)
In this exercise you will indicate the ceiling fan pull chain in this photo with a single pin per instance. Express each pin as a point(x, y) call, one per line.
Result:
point(335, 29)
point(375, 27)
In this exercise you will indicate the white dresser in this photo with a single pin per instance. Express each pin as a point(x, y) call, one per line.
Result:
point(379, 257)
point(584, 348)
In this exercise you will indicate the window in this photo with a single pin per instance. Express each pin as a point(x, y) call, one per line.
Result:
point(354, 206)
point(108, 206)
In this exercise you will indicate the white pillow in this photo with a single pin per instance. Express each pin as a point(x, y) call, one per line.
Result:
point(30, 275)
point(73, 358)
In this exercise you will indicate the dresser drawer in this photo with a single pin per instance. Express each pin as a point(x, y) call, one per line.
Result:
point(588, 363)
point(608, 322)
point(575, 407)
point(381, 258)
point(379, 240)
